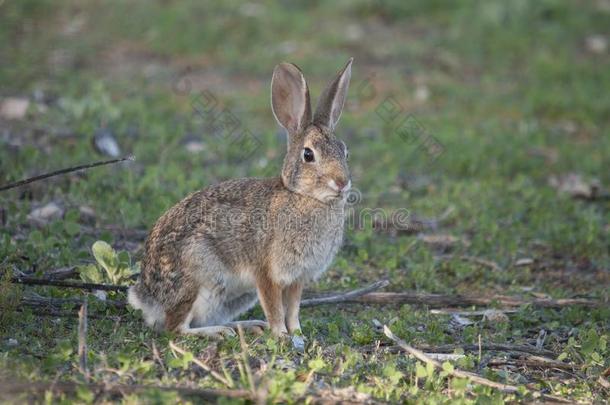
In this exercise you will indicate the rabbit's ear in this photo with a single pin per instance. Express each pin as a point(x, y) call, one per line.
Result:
point(290, 98)
point(333, 98)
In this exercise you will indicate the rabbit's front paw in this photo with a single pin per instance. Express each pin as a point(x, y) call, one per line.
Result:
point(293, 325)
point(279, 329)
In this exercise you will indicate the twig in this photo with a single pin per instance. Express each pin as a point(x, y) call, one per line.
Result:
point(39, 301)
point(603, 382)
point(61, 273)
point(450, 311)
point(201, 364)
point(441, 300)
point(532, 362)
point(246, 361)
point(67, 284)
point(69, 387)
point(345, 297)
point(421, 356)
point(52, 312)
point(499, 347)
point(540, 339)
point(157, 357)
point(82, 341)
point(473, 259)
point(63, 171)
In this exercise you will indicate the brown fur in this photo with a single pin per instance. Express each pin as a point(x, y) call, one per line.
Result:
point(209, 256)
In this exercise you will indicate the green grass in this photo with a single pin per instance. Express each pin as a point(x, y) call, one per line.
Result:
point(509, 89)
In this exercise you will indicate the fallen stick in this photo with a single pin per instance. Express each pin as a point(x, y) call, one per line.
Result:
point(39, 301)
point(63, 171)
point(345, 297)
point(539, 363)
point(421, 356)
point(449, 311)
point(82, 341)
point(48, 301)
point(498, 347)
point(367, 295)
point(67, 284)
point(440, 300)
point(473, 259)
point(201, 364)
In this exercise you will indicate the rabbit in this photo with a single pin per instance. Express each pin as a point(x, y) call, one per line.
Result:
point(210, 257)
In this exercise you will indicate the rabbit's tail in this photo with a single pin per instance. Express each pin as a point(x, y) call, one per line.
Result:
point(154, 314)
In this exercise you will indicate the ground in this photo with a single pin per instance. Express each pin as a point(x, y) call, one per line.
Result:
point(477, 121)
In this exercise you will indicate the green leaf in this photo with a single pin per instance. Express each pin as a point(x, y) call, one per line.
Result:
point(105, 256)
point(316, 364)
point(420, 371)
point(90, 274)
point(448, 367)
point(71, 228)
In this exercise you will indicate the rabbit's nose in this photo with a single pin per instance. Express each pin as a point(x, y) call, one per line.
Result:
point(340, 185)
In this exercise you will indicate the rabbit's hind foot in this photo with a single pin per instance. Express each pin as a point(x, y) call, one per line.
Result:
point(219, 331)
point(254, 325)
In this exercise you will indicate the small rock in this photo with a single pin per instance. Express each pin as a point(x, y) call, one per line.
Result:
point(12, 342)
point(46, 213)
point(526, 261)
point(596, 44)
point(574, 185)
point(495, 316)
point(105, 143)
point(377, 325)
point(422, 93)
point(193, 144)
point(443, 240)
point(100, 295)
point(298, 343)
point(13, 108)
point(87, 214)
point(461, 320)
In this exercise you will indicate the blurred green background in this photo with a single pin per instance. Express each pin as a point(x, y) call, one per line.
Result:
point(514, 96)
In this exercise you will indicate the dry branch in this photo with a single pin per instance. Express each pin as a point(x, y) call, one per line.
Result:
point(63, 171)
point(498, 347)
point(82, 341)
point(421, 356)
point(39, 301)
point(67, 284)
point(440, 300)
point(201, 364)
point(344, 297)
point(55, 313)
point(473, 259)
point(531, 362)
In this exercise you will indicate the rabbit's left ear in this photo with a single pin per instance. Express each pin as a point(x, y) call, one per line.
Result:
point(333, 98)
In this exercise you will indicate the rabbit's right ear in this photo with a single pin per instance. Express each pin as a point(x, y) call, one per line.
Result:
point(290, 98)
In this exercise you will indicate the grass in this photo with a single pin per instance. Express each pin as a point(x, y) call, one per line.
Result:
point(511, 91)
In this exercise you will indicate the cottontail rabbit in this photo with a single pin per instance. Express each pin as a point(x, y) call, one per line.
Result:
point(210, 256)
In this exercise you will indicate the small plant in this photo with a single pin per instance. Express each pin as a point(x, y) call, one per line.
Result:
point(117, 267)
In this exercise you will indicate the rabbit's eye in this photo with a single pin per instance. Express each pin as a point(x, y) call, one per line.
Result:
point(346, 154)
point(308, 155)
